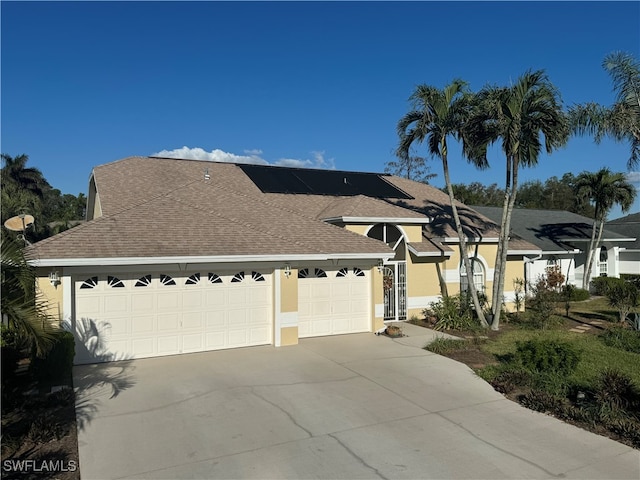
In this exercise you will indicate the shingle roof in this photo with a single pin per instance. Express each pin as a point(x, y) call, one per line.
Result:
point(550, 230)
point(628, 226)
point(159, 207)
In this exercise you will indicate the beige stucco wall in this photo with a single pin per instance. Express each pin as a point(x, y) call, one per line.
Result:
point(51, 296)
point(378, 298)
point(289, 291)
point(359, 228)
point(288, 336)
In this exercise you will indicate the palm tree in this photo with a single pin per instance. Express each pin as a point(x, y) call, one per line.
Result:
point(519, 116)
point(603, 189)
point(15, 172)
point(23, 311)
point(436, 115)
point(621, 121)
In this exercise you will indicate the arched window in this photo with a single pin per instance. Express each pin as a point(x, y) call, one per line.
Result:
point(478, 276)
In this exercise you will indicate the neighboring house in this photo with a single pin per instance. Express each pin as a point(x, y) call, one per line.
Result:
point(629, 255)
point(564, 240)
point(183, 256)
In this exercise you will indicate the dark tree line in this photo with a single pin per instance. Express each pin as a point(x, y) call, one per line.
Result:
point(552, 194)
point(26, 191)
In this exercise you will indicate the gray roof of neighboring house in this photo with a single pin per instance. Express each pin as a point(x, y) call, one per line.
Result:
point(629, 226)
point(554, 231)
point(164, 208)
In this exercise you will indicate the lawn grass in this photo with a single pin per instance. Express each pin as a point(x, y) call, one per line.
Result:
point(595, 356)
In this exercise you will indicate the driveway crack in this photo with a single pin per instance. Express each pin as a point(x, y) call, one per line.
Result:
point(291, 417)
point(354, 455)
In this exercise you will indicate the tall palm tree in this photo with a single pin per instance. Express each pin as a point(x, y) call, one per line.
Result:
point(621, 121)
point(15, 171)
point(519, 116)
point(603, 189)
point(23, 312)
point(436, 115)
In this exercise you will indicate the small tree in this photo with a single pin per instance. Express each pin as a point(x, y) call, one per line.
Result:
point(518, 294)
point(623, 296)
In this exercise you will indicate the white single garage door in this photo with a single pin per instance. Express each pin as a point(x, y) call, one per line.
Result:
point(333, 301)
point(153, 314)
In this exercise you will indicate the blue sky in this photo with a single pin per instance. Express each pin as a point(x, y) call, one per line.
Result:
point(319, 84)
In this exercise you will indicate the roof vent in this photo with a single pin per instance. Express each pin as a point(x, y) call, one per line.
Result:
point(206, 175)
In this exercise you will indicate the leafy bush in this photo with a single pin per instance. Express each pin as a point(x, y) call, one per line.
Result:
point(547, 356)
point(442, 346)
point(56, 366)
point(622, 338)
point(578, 294)
point(601, 285)
point(451, 312)
point(508, 380)
point(631, 278)
point(542, 401)
point(623, 296)
point(616, 391)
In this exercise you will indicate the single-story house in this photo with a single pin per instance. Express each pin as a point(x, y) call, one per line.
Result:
point(564, 239)
point(180, 256)
point(629, 255)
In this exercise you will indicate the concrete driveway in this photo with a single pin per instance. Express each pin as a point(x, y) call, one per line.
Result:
point(350, 407)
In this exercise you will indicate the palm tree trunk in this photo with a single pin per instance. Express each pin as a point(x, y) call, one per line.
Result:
point(461, 236)
point(590, 256)
point(504, 236)
point(497, 272)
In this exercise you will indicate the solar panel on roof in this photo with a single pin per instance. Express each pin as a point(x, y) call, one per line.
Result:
point(321, 182)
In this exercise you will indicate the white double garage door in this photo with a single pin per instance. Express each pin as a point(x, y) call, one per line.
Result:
point(141, 314)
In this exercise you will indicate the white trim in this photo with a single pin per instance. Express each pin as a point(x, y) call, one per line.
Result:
point(524, 252)
point(623, 239)
point(392, 220)
point(288, 319)
point(67, 298)
point(422, 302)
point(403, 233)
point(469, 240)
point(442, 253)
point(277, 305)
point(103, 261)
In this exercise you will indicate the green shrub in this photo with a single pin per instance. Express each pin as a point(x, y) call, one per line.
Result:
point(622, 338)
point(602, 285)
point(508, 380)
point(616, 391)
point(443, 346)
point(579, 294)
point(542, 401)
point(57, 364)
point(451, 312)
point(548, 356)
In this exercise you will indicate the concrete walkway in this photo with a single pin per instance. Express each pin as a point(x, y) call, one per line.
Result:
point(351, 406)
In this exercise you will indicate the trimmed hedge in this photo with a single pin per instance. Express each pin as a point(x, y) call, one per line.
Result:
point(56, 366)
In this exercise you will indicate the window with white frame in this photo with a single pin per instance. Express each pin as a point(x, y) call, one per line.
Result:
point(602, 261)
point(478, 276)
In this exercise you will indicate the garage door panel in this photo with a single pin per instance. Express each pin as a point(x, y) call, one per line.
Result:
point(142, 324)
point(169, 300)
point(215, 340)
point(142, 315)
point(142, 302)
point(116, 304)
point(168, 345)
point(192, 343)
point(192, 320)
point(334, 304)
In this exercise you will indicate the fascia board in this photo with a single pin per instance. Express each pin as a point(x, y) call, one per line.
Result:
point(417, 221)
point(78, 262)
point(524, 252)
point(429, 254)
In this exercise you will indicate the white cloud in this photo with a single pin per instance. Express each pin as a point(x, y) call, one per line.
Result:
point(633, 177)
point(318, 162)
point(216, 155)
point(252, 156)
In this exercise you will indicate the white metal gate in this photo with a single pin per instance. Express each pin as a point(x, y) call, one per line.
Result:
point(395, 291)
